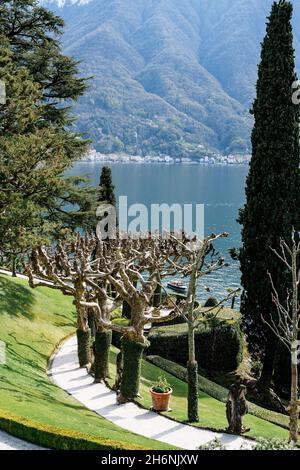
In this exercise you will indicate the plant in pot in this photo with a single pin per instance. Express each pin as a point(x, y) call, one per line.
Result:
point(161, 393)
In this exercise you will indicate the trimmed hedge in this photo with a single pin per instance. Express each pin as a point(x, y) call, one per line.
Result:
point(132, 365)
point(218, 348)
point(102, 348)
point(83, 348)
point(55, 438)
point(217, 391)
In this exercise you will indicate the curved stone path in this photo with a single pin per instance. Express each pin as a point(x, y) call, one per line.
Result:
point(77, 382)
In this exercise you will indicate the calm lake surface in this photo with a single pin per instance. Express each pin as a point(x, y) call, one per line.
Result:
point(219, 188)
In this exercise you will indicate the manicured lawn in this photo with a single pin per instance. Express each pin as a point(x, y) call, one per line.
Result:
point(31, 324)
point(212, 411)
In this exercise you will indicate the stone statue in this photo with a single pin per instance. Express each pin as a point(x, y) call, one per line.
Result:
point(236, 409)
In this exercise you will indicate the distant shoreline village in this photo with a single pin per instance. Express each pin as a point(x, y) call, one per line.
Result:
point(215, 159)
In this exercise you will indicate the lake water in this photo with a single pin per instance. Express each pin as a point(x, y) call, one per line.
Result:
point(219, 188)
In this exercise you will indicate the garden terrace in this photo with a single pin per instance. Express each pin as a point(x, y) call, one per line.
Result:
point(32, 323)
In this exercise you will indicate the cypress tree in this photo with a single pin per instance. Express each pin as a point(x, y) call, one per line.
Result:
point(106, 187)
point(272, 187)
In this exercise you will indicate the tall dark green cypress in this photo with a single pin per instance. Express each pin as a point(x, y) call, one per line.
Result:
point(106, 187)
point(272, 186)
point(106, 194)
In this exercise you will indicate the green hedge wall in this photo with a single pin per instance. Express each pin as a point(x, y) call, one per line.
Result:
point(54, 438)
point(218, 349)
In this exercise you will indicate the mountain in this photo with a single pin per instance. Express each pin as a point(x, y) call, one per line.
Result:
point(169, 76)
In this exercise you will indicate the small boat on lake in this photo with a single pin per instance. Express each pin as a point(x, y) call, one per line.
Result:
point(177, 286)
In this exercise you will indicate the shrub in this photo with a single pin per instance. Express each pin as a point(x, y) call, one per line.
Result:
point(218, 348)
point(211, 302)
point(161, 386)
point(55, 438)
point(273, 444)
point(261, 444)
point(216, 444)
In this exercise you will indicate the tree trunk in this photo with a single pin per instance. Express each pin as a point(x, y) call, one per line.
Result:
point(14, 267)
point(192, 369)
point(193, 411)
point(265, 380)
point(83, 340)
point(212, 353)
point(102, 349)
point(294, 412)
point(92, 323)
point(157, 296)
point(132, 362)
point(126, 310)
point(193, 407)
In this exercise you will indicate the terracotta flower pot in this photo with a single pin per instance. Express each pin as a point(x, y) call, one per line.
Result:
point(161, 401)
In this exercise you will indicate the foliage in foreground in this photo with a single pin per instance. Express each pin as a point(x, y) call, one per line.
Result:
point(260, 444)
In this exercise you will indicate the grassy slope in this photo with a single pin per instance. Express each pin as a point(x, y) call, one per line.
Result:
point(212, 411)
point(31, 324)
point(263, 423)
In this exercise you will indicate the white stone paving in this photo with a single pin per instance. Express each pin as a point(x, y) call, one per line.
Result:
point(77, 382)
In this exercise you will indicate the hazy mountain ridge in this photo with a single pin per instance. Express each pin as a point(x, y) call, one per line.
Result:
point(169, 75)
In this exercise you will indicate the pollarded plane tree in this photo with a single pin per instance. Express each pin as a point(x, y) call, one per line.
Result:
point(65, 267)
point(201, 261)
point(286, 327)
point(101, 303)
point(135, 272)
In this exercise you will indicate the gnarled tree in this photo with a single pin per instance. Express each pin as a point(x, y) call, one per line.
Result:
point(63, 268)
point(202, 260)
point(135, 272)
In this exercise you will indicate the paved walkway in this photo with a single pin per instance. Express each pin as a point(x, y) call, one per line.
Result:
point(8, 442)
point(77, 382)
